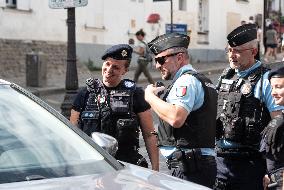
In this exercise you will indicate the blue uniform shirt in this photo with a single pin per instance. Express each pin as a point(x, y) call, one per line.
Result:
point(265, 95)
point(266, 88)
point(187, 90)
point(188, 93)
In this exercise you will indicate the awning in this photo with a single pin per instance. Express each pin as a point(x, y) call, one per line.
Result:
point(153, 18)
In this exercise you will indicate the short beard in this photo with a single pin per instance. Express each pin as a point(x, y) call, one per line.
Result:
point(167, 77)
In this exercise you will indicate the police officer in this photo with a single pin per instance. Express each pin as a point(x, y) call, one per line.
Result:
point(187, 111)
point(245, 107)
point(273, 135)
point(117, 107)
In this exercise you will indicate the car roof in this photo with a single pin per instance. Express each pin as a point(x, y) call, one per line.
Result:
point(3, 82)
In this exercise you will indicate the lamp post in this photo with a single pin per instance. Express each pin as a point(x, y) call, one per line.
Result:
point(280, 16)
point(171, 16)
point(71, 82)
point(171, 12)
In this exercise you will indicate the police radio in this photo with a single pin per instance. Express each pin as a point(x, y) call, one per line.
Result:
point(159, 84)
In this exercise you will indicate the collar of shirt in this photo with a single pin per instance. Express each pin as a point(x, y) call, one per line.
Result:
point(244, 73)
point(182, 70)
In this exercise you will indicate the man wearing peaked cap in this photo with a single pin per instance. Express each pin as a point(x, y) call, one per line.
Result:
point(245, 107)
point(116, 106)
point(191, 98)
point(119, 52)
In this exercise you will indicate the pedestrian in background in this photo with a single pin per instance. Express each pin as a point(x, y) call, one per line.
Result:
point(245, 107)
point(259, 40)
point(273, 135)
point(258, 36)
point(117, 107)
point(187, 111)
point(271, 43)
point(144, 58)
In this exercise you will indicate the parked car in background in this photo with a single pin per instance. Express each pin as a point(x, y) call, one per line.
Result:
point(40, 149)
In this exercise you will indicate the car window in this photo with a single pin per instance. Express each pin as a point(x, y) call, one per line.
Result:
point(36, 143)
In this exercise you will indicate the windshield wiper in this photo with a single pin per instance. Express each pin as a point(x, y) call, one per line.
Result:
point(34, 177)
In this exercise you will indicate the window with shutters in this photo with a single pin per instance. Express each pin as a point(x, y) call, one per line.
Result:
point(182, 5)
point(203, 21)
point(23, 5)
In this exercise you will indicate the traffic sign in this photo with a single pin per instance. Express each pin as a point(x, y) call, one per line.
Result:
point(178, 28)
point(63, 4)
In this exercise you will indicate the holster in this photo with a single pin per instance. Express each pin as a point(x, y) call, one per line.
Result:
point(276, 178)
point(187, 162)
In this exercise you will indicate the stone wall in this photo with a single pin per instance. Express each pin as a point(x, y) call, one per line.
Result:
point(13, 57)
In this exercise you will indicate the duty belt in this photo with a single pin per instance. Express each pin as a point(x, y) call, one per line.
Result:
point(238, 153)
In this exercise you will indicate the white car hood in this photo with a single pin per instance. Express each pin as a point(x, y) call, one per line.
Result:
point(130, 178)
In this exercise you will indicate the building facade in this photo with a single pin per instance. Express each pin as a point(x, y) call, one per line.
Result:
point(106, 22)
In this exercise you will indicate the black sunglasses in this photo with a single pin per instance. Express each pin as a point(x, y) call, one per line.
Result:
point(161, 60)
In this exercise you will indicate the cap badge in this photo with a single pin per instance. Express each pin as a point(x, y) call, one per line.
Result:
point(124, 53)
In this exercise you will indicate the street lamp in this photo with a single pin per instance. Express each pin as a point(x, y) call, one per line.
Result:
point(171, 12)
point(71, 82)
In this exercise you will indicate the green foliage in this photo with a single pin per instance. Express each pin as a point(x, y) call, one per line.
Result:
point(91, 65)
point(282, 20)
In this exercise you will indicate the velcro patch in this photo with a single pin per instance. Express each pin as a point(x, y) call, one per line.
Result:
point(90, 115)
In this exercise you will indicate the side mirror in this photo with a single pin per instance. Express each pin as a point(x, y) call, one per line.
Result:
point(105, 141)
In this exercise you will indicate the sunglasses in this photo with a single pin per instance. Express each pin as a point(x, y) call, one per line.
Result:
point(161, 60)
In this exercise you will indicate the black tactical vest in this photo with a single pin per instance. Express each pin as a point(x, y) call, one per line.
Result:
point(110, 112)
point(241, 117)
point(198, 131)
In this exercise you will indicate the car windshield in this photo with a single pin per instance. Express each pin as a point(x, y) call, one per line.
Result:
point(37, 145)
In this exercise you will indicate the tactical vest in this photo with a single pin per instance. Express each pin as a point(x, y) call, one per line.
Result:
point(241, 117)
point(199, 128)
point(110, 112)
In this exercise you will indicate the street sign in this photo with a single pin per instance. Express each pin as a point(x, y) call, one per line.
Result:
point(178, 28)
point(63, 4)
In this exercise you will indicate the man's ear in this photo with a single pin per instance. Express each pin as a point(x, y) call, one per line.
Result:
point(125, 71)
point(254, 51)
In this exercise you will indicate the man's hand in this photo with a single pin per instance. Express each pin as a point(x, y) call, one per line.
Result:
point(152, 90)
point(265, 182)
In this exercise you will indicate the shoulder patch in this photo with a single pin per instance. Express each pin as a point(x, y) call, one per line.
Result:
point(129, 83)
point(181, 91)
